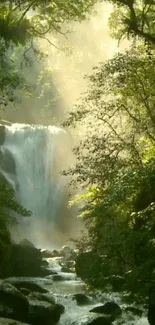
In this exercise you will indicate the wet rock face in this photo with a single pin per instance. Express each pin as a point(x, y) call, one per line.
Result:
point(26, 260)
point(8, 321)
point(109, 308)
point(81, 299)
point(13, 303)
point(2, 134)
point(35, 309)
point(7, 162)
point(26, 283)
point(41, 312)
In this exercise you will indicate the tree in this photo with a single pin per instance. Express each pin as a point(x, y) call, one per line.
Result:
point(22, 24)
point(134, 19)
point(115, 160)
point(23, 20)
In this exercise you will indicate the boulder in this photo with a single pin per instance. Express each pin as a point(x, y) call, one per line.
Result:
point(81, 299)
point(46, 272)
point(57, 277)
point(13, 304)
point(66, 251)
point(26, 242)
point(134, 310)
point(66, 269)
point(25, 291)
point(42, 297)
point(109, 308)
point(26, 260)
point(8, 321)
point(60, 308)
point(26, 283)
point(43, 313)
point(45, 263)
point(55, 253)
point(48, 254)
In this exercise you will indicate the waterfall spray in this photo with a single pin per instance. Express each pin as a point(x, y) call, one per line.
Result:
point(39, 154)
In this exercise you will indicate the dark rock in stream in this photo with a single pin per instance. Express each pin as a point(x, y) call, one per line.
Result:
point(134, 310)
point(41, 313)
point(13, 304)
point(46, 272)
point(25, 291)
point(81, 299)
point(48, 254)
point(8, 321)
point(45, 263)
point(109, 308)
point(46, 297)
point(42, 297)
point(25, 284)
point(66, 269)
point(58, 277)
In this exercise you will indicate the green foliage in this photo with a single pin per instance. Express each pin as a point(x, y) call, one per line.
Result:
point(22, 22)
point(8, 200)
point(8, 205)
point(116, 166)
point(134, 19)
point(10, 78)
point(5, 248)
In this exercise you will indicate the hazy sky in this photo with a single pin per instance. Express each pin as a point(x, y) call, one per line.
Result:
point(90, 43)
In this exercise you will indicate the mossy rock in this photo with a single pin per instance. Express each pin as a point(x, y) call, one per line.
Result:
point(43, 313)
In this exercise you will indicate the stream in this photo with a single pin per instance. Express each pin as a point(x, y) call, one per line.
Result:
point(64, 289)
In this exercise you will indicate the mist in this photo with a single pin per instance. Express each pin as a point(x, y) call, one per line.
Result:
point(57, 82)
point(66, 64)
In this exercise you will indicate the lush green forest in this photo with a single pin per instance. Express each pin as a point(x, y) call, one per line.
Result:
point(115, 158)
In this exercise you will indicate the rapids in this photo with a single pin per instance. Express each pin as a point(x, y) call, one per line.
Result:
point(64, 290)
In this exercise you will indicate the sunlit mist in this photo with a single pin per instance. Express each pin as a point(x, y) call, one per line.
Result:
point(66, 64)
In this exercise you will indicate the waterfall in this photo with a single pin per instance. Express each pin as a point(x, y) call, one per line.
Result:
point(39, 153)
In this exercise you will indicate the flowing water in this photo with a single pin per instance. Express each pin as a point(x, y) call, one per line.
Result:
point(64, 290)
point(31, 159)
point(39, 154)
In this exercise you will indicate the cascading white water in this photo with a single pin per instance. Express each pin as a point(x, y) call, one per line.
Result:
point(39, 154)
